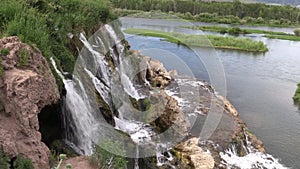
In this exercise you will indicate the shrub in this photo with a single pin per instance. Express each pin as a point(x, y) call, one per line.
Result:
point(102, 156)
point(243, 21)
point(297, 95)
point(297, 32)
point(8, 9)
point(4, 161)
point(234, 31)
point(23, 56)
point(4, 52)
point(22, 163)
point(260, 20)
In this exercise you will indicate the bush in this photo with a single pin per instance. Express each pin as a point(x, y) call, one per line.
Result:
point(23, 163)
point(4, 52)
point(297, 95)
point(102, 156)
point(8, 9)
point(23, 57)
point(234, 31)
point(260, 20)
point(297, 32)
point(4, 161)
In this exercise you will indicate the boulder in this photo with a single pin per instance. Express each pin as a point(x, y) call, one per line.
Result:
point(26, 86)
point(193, 156)
point(157, 74)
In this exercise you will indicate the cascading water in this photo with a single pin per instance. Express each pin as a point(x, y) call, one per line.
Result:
point(112, 80)
point(83, 125)
point(102, 69)
point(252, 159)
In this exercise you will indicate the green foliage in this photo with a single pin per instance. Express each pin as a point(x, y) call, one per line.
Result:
point(22, 163)
point(4, 52)
point(1, 67)
point(46, 23)
point(61, 158)
point(297, 95)
point(284, 37)
point(219, 11)
point(235, 30)
point(31, 27)
point(8, 9)
point(103, 157)
point(23, 57)
point(4, 161)
point(297, 32)
point(244, 44)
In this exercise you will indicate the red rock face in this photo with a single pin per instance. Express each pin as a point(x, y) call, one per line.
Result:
point(25, 88)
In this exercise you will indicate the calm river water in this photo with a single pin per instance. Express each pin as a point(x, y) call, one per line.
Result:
point(260, 86)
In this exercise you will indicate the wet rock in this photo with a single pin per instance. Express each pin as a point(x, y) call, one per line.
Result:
point(172, 120)
point(26, 86)
point(193, 156)
point(157, 74)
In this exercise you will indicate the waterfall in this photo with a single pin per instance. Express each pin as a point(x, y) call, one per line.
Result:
point(252, 159)
point(101, 68)
point(77, 102)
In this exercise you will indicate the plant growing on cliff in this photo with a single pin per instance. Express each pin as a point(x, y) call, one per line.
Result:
point(23, 56)
point(22, 163)
point(4, 52)
point(4, 161)
point(104, 159)
point(61, 158)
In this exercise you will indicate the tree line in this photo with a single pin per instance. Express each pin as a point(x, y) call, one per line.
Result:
point(196, 7)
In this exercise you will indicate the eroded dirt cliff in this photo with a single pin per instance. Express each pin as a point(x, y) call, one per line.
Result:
point(26, 86)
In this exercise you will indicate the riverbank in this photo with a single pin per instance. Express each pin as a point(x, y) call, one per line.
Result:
point(238, 31)
point(297, 95)
point(211, 41)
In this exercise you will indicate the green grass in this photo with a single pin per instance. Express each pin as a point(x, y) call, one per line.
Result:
point(235, 30)
point(220, 42)
point(45, 24)
point(297, 95)
point(284, 37)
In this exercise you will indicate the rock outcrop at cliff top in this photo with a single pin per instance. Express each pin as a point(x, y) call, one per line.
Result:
point(26, 86)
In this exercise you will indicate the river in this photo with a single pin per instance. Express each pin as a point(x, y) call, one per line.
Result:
point(260, 86)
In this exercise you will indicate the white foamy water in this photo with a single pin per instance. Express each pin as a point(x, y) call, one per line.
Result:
point(253, 160)
point(77, 102)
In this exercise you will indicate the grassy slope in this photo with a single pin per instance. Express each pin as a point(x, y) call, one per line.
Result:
point(243, 44)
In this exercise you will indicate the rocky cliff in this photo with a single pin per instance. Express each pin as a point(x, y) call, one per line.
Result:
point(26, 86)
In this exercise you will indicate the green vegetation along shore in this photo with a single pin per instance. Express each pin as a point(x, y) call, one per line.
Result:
point(234, 12)
point(237, 31)
point(220, 42)
point(297, 95)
